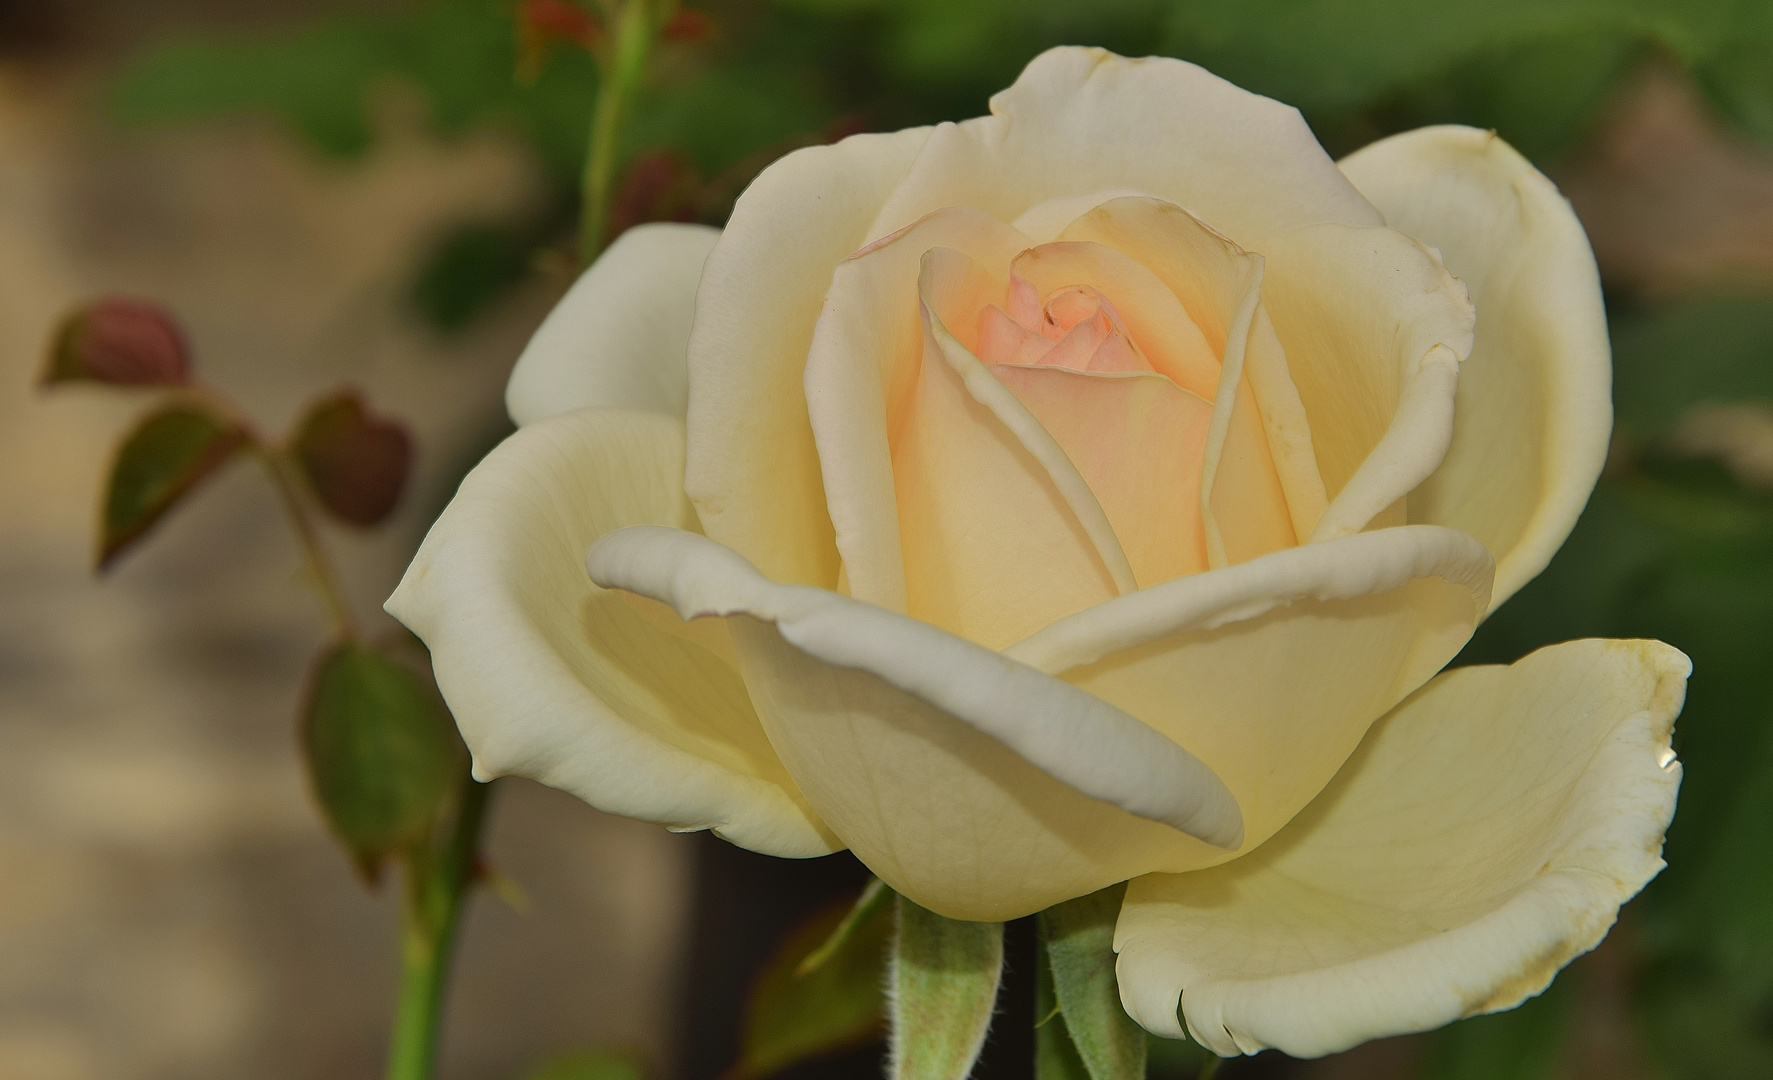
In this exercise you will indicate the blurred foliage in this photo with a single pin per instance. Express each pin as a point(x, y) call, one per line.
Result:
point(822, 990)
point(354, 461)
point(589, 1065)
point(382, 753)
point(167, 455)
point(1672, 546)
point(779, 73)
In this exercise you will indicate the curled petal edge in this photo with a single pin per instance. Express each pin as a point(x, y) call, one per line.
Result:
point(1339, 569)
point(1601, 833)
point(1069, 734)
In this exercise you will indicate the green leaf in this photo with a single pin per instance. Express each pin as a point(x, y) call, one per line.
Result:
point(875, 899)
point(944, 987)
point(1176, 1059)
point(1715, 349)
point(1521, 1044)
point(1079, 939)
point(589, 1065)
point(355, 461)
point(472, 266)
point(801, 1010)
point(382, 752)
point(163, 459)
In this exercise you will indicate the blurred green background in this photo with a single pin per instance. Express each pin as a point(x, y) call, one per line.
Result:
point(1655, 116)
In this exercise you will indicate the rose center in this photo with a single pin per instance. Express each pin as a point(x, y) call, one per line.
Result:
point(1074, 327)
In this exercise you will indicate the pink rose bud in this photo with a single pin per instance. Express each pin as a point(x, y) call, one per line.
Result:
point(121, 341)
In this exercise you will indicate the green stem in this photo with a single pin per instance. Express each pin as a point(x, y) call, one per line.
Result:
point(307, 536)
point(435, 888)
point(623, 68)
point(1210, 1069)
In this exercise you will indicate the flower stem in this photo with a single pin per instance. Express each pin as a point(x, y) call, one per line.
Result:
point(436, 885)
point(622, 69)
point(1210, 1069)
point(313, 552)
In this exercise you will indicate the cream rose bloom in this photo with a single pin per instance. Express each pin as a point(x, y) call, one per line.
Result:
point(1085, 493)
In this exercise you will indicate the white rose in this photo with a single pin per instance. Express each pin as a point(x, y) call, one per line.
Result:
point(1083, 493)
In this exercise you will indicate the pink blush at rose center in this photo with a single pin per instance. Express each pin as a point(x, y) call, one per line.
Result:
point(1072, 327)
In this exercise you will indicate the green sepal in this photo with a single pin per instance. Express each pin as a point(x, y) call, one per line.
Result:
point(943, 990)
point(1078, 940)
point(1055, 1055)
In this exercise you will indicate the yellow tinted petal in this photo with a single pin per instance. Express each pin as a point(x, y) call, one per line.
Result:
point(1485, 834)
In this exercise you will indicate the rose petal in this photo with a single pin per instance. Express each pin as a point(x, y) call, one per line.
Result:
point(1272, 670)
point(975, 785)
point(1374, 329)
point(1534, 405)
point(752, 468)
point(1082, 120)
point(1271, 484)
point(553, 678)
point(951, 286)
point(619, 338)
point(1138, 442)
point(1153, 315)
point(1485, 833)
point(861, 374)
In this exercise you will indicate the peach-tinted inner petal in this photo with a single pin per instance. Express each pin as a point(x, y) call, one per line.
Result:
point(1076, 327)
point(1111, 363)
point(980, 520)
point(1138, 441)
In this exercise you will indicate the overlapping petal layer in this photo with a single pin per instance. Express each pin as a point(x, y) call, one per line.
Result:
point(1534, 403)
point(1483, 835)
point(553, 678)
point(1272, 670)
point(973, 784)
point(1265, 491)
point(619, 338)
point(861, 379)
point(752, 469)
point(1374, 329)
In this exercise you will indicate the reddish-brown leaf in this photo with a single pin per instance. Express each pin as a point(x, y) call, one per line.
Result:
point(120, 341)
point(356, 462)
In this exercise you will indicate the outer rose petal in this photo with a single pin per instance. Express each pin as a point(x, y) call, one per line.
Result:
point(1534, 406)
point(973, 784)
point(967, 826)
point(553, 678)
point(1485, 833)
point(619, 337)
point(752, 469)
point(1082, 120)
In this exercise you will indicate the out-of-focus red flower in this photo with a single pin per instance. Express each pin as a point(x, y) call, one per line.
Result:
point(688, 26)
point(542, 23)
point(560, 18)
point(660, 186)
